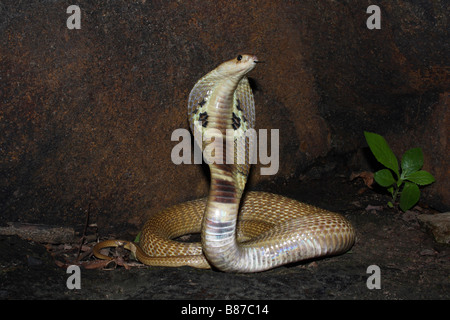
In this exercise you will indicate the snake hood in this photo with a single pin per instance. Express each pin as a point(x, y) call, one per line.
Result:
point(227, 81)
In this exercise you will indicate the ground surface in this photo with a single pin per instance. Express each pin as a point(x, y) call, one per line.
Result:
point(412, 265)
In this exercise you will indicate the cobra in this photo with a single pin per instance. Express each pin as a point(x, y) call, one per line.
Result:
point(240, 232)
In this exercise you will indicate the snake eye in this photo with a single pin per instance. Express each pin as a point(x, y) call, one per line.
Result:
point(239, 58)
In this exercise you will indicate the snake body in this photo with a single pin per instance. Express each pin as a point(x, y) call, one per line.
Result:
point(262, 231)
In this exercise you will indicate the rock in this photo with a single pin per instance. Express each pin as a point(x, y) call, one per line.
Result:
point(438, 224)
point(39, 232)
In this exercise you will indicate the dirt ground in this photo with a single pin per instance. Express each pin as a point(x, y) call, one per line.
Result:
point(411, 264)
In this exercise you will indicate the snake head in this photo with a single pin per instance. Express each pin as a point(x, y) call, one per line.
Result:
point(238, 66)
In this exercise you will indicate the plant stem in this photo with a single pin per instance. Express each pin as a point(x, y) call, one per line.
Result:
point(394, 196)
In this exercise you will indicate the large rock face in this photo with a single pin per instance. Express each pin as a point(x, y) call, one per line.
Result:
point(87, 115)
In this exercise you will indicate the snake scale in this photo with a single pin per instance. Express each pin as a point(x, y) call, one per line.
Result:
point(262, 231)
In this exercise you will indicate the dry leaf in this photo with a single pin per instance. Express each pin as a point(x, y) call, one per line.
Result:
point(367, 177)
point(99, 264)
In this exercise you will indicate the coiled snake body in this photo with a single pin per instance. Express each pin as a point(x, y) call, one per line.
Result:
point(260, 232)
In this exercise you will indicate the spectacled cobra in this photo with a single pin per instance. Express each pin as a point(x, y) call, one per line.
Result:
point(262, 231)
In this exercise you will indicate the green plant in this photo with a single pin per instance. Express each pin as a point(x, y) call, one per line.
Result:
point(406, 184)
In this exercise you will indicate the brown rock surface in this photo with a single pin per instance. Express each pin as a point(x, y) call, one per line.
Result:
point(439, 226)
point(87, 115)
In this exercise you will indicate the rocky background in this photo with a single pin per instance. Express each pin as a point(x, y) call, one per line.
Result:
point(86, 116)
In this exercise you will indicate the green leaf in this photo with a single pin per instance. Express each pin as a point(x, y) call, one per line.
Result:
point(384, 178)
point(138, 237)
point(421, 177)
point(381, 151)
point(409, 197)
point(412, 161)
